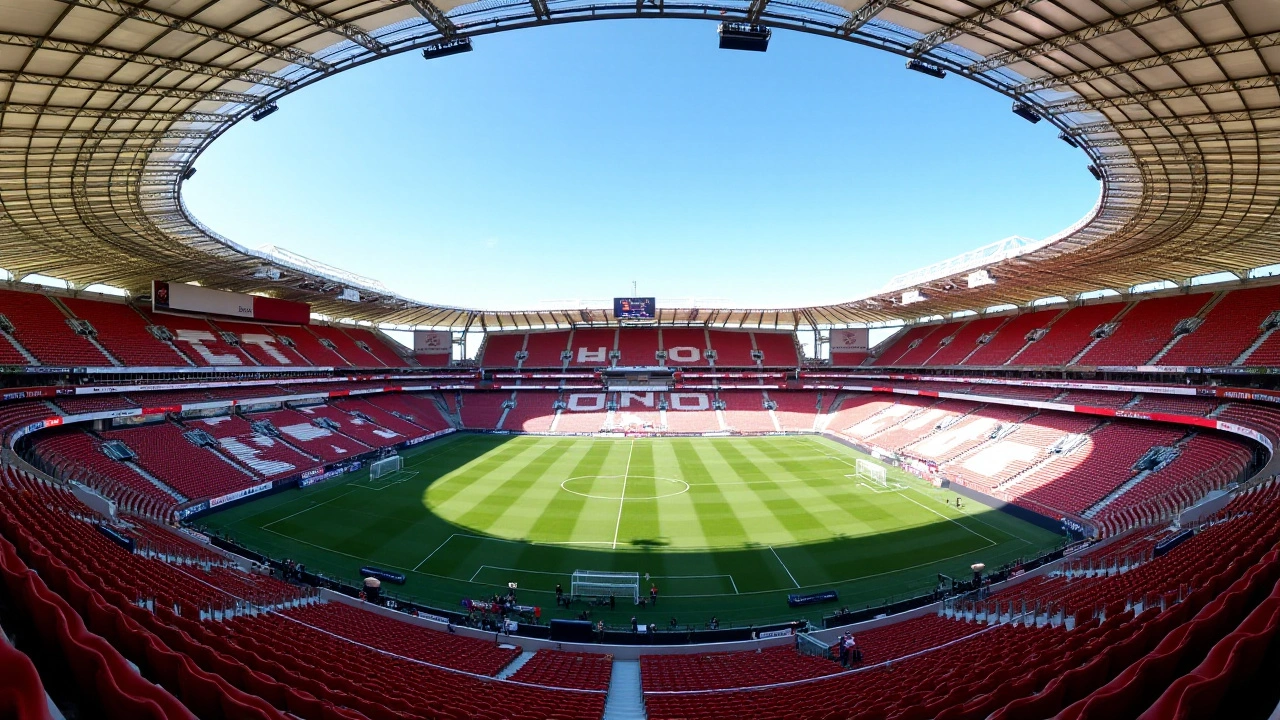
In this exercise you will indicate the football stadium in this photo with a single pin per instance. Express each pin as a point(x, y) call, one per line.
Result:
point(1032, 480)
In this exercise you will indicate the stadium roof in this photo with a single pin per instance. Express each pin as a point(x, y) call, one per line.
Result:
point(107, 103)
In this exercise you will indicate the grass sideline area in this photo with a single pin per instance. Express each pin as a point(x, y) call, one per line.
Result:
point(724, 526)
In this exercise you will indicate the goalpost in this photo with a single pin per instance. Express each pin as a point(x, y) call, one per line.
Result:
point(871, 471)
point(596, 583)
point(385, 466)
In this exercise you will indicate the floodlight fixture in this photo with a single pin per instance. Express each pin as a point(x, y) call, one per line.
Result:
point(446, 47)
point(744, 36)
point(188, 173)
point(1026, 112)
point(1068, 140)
point(264, 111)
point(1095, 172)
point(927, 68)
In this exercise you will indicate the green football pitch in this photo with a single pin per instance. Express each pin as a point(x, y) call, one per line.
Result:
point(724, 526)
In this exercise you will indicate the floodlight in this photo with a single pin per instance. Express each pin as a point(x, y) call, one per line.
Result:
point(927, 68)
point(186, 174)
point(264, 111)
point(1026, 112)
point(744, 36)
point(446, 47)
point(1095, 172)
point(1068, 140)
point(349, 295)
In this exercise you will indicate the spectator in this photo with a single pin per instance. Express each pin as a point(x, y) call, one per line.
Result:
point(674, 624)
point(372, 588)
point(715, 623)
point(653, 594)
point(635, 626)
point(559, 594)
point(844, 650)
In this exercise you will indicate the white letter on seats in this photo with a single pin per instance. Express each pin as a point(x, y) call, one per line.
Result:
point(684, 354)
point(587, 355)
point(690, 401)
point(645, 399)
point(267, 343)
point(196, 339)
point(586, 402)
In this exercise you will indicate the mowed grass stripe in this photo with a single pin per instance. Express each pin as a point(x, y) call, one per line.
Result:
point(749, 493)
point(560, 517)
point(504, 488)
point(755, 500)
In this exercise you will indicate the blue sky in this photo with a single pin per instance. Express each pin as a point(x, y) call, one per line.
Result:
point(557, 165)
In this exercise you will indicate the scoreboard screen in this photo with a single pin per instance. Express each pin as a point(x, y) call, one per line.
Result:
point(634, 308)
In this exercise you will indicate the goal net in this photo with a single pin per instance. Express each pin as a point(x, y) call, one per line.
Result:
point(595, 583)
point(871, 471)
point(386, 466)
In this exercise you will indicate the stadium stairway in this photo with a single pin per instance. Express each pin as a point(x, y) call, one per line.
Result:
point(515, 665)
point(625, 700)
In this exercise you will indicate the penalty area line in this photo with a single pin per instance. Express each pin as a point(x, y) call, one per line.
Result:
point(784, 567)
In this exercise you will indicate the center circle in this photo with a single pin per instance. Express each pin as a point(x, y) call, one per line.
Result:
point(616, 487)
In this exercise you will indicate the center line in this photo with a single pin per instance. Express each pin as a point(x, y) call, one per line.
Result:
point(623, 500)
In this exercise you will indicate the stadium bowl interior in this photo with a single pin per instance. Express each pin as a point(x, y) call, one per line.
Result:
point(214, 505)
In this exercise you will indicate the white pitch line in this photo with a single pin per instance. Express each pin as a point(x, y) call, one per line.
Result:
point(784, 567)
point(433, 552)
point(949, 519)
point(623, 499)
point(313, 507)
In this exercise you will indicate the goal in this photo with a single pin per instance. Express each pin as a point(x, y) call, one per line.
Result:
point(871, 471)
point(596, 583)
point(386, 466)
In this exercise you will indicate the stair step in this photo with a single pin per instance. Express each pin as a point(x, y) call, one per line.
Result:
point(625, 700)
point(515, 665)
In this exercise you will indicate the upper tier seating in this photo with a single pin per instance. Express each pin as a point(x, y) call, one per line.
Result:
point(123, 332)
point(309, 346)
point(902, 343)
point(377, 346)
point(500, 350)
point(779, 349)
point(347, 347)
point(591, 347)
point(196, 472)
point(1068, 335)
point(1010, 338)
point(1228, 330)
point(263, 346)
point(1144, 330)
point(200, 341)
point(544, 349)
point(929, 345)
point(695, 342)
point(733, 348)
point(965, 341)
point(638, 347)
point(41, 327)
